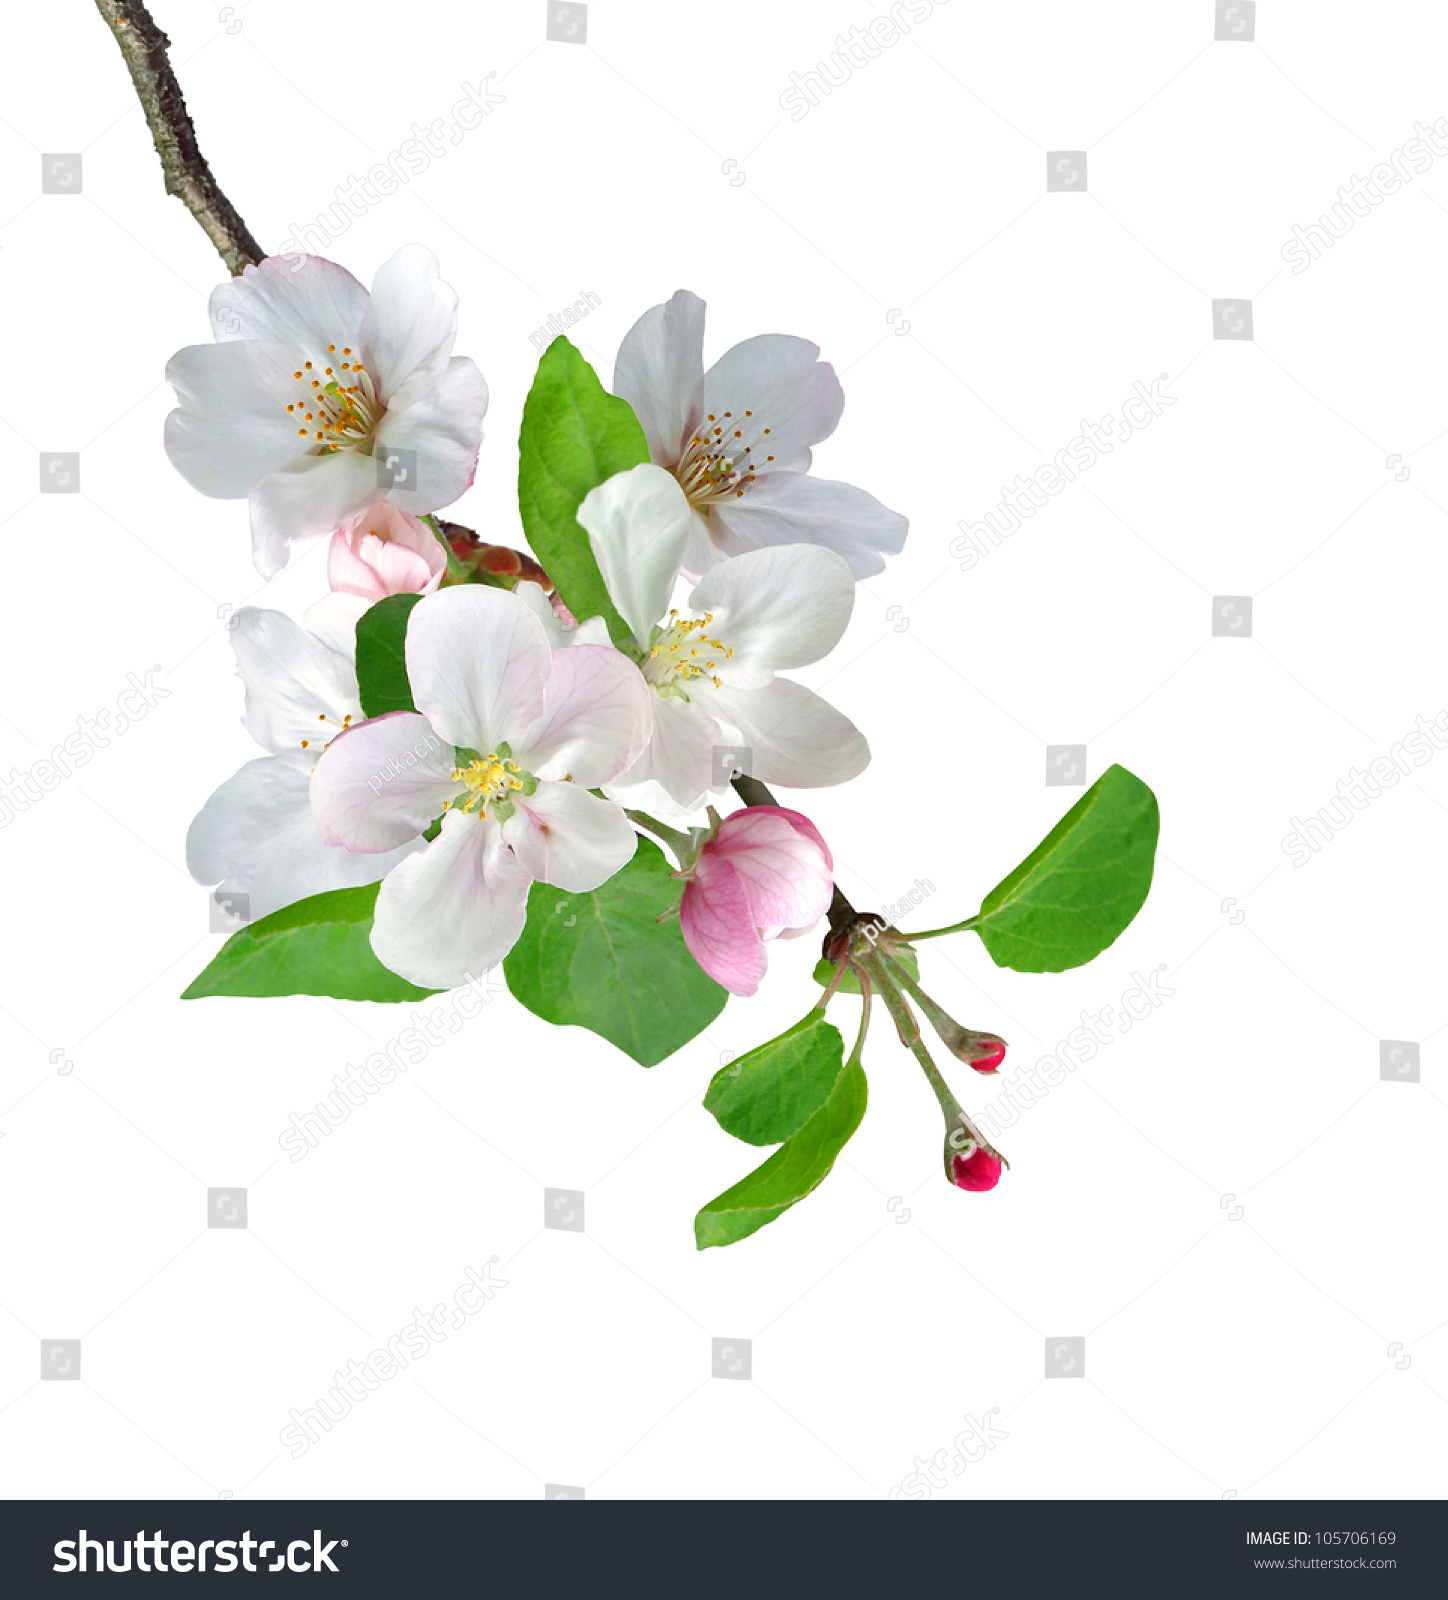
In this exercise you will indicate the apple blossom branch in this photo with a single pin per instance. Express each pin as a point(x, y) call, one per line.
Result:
point(470, 560)
point(144, 47)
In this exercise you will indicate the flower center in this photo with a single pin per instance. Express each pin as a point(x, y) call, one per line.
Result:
point(338, 403)
point(682, 651)
point(721, 460)
point(490, 780)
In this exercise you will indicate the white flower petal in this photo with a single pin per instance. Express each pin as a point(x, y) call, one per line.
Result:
point(680, 752)
point(231, 426)
point(302, 302)
point(333, 619)
point(791, 508)
point(702, 553)
point(440, 419)
point(789, 390)
point(647, 795)
point(308, 496)
point(596, 720)
point(297, 687)
point(638, 525)
point(447, 914)
point(782, 607)
point(256, 837)
point(560, 635)
point(382, 782)
point(554, 627)
point(796, 738)
point(660, 372)
point(478, 662)
point(410, 322)
point(564, 836)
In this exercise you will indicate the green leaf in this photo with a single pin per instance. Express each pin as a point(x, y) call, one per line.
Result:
point(605, 962)
point(575, 435)
point(769, 1094)
point(317, 946)
point(799, 1166)
point(381, 664)
point(1081, 886)
point(850, 984)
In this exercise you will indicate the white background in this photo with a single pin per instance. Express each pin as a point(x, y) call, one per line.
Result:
point(903, 224)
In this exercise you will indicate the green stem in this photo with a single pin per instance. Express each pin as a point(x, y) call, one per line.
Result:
point(957, 1039)
point(679, 843)
point(841, 968)
point(859, 1049)
point(900, 1013)
point(904, 978)
point(954, 1115)
point(939, 933)
point(948, 1103)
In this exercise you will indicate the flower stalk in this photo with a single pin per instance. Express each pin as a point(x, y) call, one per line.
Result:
point(681, 844)
point(971, 1161)
point(982, 1051)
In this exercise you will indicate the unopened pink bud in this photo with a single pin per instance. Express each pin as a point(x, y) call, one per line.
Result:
point(764, 874)
point(979, 1170)
point(385, 551)
point(995, 1054)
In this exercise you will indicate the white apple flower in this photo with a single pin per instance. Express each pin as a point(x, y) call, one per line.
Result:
point(256, 836)
point(314, 386)
point(712, 671)
point(509, 737)
point(737, 438)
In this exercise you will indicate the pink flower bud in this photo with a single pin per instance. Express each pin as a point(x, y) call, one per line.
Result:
point(979, 1170)
point(765, 873)
point(995, 1053)
point(385, 551)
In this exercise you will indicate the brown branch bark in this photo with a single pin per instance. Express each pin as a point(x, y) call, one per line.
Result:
point(188, 177)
